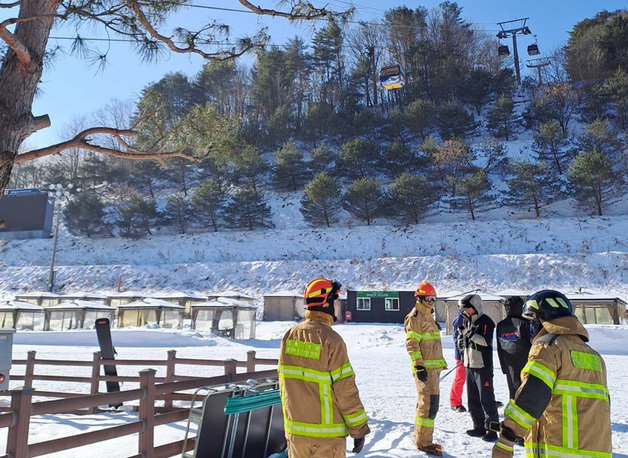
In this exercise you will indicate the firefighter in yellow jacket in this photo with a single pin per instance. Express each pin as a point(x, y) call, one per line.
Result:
point(426, 353)
point(320, 400)
point(562, 407)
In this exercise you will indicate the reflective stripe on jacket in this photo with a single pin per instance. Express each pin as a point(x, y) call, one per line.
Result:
point(563, 406)
point(317, 383)
point(423, 339)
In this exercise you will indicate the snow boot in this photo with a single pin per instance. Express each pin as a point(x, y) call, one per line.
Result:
point(459, 408)
point(490, 436)
point(432, 449)
point(476, 432)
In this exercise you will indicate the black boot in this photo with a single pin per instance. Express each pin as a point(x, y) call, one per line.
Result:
point(476, 432)
point(490, 436)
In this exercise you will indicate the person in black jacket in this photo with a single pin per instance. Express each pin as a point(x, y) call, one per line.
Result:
point(477, 342)
point(513, 343)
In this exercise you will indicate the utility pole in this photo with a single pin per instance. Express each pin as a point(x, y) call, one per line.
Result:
point(59, 193)
point(508, 30)
point(538, 64)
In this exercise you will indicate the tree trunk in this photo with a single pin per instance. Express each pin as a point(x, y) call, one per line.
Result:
point(19, 76)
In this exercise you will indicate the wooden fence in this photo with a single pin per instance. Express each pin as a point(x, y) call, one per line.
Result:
point(22, 407)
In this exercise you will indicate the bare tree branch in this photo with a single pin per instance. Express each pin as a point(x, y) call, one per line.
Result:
point(81, 141)
point(191, 48)
point(23, 55)
point(10, 5)
point(305, 13)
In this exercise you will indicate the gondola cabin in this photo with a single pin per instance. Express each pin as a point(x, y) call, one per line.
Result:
point(392, 77)
point(503, 51)
point(533, 50)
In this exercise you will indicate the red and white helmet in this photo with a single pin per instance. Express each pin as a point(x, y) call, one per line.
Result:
point(321, 292)
point(425, 289)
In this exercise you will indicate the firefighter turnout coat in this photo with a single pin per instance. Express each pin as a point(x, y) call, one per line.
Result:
point(317, 384)
point(424, 347)
point(562, 408)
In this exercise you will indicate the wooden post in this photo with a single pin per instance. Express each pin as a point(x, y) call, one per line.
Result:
point(17, 438)
point(29, 370)
point(250, 361)
point(230, 367)
point(147, 414)
point(95, 385)
point(170, 367)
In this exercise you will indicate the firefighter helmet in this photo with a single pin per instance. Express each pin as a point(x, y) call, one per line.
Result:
point(425, 289)
point(547, 305)
point(321, 292)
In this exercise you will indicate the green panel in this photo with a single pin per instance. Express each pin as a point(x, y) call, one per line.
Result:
point(372, 294)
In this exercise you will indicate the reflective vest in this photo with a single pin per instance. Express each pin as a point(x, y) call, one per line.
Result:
point(423, 339)
point(563, 405)
point(317, 383)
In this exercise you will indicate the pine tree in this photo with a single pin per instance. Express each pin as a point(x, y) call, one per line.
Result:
point(290, 170)
point(208, 203)
point(359, 158)
point(420, 117)
point(473, 190)
point(410, 197)
point(454, 121)
point(593, 180)
point(531, 184)
point(85, 214)
point(178, 211)
point(500, 117)
point(321, 201)
point(364, 199)
point(248, 209)
point(135, 216)
point(549, 145)
point(249, 167)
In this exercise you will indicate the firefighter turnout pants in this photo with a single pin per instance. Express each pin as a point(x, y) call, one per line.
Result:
point(317, 447)
point(426, 408)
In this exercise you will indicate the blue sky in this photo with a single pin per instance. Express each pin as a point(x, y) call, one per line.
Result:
point(71, 88)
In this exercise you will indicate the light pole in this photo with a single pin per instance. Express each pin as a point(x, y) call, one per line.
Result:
point(59, 192)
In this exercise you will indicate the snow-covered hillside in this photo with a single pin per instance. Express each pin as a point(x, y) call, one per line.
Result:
point(501, 249)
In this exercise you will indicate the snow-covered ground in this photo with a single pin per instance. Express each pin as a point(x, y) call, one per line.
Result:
point(379, 358)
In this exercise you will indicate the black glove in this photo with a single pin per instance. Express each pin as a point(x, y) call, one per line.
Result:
point(421, 373)
point(358, 443)
point(468, 333)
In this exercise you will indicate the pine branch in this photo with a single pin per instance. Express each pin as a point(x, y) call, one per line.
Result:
point(81, 141)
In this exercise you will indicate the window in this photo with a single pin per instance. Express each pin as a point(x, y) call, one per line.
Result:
point(391, 304)
point(364, 303)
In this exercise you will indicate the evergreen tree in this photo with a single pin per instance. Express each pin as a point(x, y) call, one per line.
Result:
point(617, 89)
point(531, 184)
point(400, 157)
point(248, 209)
point(420, 117)
point(454, 121)
point(495, 155)
point(474, 190)
point(85, 214)
point(178, 211)
point(323, 159)
point(410, 197)
point(290, 170)
point(145, 174)
point(359, 158)
point(475, 88)
point(321, 201)
point(135, 216)
point(549, 145)
point(453, 160)
point(208, 203)
point(364, 199)
point(593, 180)
point(500, 117)
point(249, 167)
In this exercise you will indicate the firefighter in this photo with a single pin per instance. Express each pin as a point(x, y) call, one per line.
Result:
point(426, 353)
point(476, 338)
point(513, 343)
point(320, 400)
point(562, 407)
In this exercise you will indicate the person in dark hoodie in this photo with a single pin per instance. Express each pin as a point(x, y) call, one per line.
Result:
point(477, 342)
point(513, 343)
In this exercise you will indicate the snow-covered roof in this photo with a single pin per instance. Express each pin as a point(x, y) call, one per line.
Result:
point(126, 294)
point(37, 294)
point(85, 294)
point(79, 304)
point(151, 302)
point(285, 293)
point(19, 305)
point(230, 293)
point(223, 302)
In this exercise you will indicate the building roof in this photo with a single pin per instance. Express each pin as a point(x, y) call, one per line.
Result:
point(224, 302)
point(80, 305)
point(20, 305)
point(151, 303)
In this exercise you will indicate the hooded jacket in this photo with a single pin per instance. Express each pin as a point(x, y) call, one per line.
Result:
point(423, 339)
point(477, 336)
point(563, 406)
point(513, 337)
point(317, 384)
